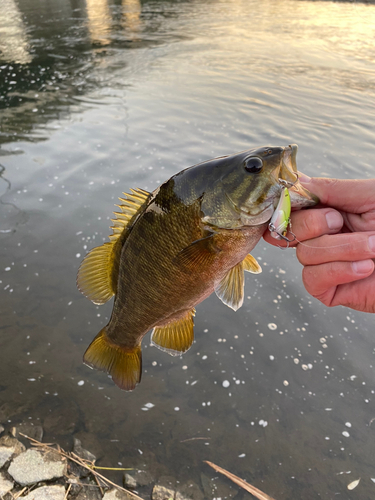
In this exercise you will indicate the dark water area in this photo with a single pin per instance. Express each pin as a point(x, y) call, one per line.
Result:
point(99, 96)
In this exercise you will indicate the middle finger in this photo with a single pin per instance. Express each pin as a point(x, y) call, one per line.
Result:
point(337, 247)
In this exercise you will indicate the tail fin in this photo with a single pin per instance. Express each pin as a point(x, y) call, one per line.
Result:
point(124, 365)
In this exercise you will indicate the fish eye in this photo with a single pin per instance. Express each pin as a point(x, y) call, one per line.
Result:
point(253, 165)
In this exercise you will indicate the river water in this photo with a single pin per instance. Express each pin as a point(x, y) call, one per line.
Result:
point(98, 96)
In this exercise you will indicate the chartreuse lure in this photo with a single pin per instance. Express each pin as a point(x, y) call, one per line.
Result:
point(280, 220)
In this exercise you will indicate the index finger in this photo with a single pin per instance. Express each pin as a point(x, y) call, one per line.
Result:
point(350, 195)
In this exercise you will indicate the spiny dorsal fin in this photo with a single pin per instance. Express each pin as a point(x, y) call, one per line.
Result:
point(230, 289)
point(97, 275)
point(176, 337)
point(129, 207)
point(251, 265)
point(124, 365)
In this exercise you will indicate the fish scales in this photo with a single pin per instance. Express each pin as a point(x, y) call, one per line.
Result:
point(190, 237)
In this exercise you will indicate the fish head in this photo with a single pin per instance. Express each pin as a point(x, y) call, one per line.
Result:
point(249, 187)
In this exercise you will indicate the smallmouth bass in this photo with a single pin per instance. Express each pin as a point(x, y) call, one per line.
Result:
point(170, 249)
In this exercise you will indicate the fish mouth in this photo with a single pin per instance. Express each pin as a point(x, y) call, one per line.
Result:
point(250, 218)
point(299, 196)
point(258, 218)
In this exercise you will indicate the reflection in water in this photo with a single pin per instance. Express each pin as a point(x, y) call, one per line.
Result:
point(99, 21)
point(14, 44)
point(132, 10)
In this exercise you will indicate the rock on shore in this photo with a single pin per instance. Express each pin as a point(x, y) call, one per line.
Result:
point(47, 473)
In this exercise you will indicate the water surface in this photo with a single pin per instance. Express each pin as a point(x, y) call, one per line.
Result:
point(100, 96)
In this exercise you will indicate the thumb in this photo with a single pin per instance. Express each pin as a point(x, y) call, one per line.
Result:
point(349, 195)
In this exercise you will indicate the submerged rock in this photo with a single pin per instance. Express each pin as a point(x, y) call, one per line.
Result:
point(188, 491)
point(81, 452)
point(116, 494)
point(32, 431)
point(89, 493)
point(56, 492)
point(168, 481)
point(33, 466)
point(5, 485)
point(9, 448)
point(162, 493)
point(137, 479)
point(130, 482)
point(217, 489)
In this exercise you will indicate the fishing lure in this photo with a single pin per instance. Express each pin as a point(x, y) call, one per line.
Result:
point(280, 221)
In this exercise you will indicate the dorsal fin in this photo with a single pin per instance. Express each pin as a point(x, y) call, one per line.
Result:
point(129, 207)
point(98, 272)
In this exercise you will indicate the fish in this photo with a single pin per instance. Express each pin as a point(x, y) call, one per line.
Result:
point(172, 248)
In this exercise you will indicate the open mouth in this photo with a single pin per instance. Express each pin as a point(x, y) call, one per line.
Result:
point(300, 197)
point(288, 170)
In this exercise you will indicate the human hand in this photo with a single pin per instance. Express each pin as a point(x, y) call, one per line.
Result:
point(336, 243)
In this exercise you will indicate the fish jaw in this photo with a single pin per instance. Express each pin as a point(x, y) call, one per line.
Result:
point(300, 197)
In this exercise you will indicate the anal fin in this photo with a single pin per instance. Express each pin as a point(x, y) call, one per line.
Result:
point(124, 365)
point(176, 337)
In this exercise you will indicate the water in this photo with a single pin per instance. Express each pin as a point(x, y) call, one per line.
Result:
point(100, 96)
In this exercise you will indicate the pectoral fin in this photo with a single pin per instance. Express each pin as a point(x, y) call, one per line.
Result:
point(199, 254)
point(250, 264)
point(230, 290)
point(176, 337)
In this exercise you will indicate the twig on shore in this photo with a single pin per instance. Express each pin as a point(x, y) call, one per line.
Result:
point(19, 493)
point(241, 482)
point(67, 491)
point(87, 464)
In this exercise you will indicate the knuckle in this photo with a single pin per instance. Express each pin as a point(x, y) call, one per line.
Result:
point(308, 279)
point(301, 252)
point(309, 223)
point(316, 285)
point(327, 298)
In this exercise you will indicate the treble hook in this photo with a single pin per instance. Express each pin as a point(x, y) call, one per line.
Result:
point(286, 183)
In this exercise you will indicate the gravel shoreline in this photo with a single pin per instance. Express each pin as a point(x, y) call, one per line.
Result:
point(32, 470)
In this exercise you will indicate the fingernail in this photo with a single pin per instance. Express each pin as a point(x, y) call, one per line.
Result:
point(305, 179)
point(334, 219)
point(371, 243)
point(363, 266)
